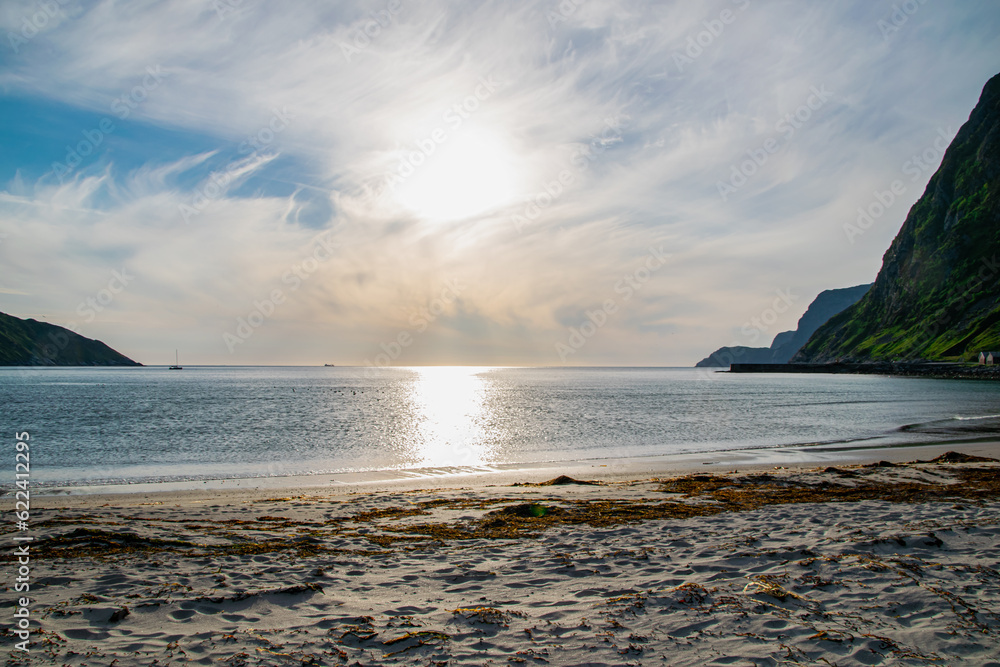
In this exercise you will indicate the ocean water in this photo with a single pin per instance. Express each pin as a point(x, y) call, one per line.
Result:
point(113, 425)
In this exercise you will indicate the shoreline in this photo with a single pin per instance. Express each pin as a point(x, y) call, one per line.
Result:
point(612, 470)
point(698, 563)
point(933, 370)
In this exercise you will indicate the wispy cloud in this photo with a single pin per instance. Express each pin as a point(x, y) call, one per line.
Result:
point(691, 92)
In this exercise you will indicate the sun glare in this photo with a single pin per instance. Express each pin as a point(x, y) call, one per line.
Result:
point(469, 174)
point(451, 405)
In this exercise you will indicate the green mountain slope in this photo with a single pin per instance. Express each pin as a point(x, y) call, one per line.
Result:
point(33, 343)
point(937, 296)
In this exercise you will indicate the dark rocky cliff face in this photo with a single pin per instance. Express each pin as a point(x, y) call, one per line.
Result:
point(937, 296)
point(829, 303)
point(33, 343)
point(787, 343)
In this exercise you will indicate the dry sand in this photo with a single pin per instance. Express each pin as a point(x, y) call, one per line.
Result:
point(869, 565)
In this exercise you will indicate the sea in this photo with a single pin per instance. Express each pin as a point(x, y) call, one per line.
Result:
point(100, 426)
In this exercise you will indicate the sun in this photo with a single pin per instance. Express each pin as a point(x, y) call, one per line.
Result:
point(467, 174)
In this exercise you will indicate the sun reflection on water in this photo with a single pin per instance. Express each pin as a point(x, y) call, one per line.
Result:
point(451, 407)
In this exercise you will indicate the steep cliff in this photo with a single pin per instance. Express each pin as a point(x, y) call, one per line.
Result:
point(33, 343)
point(937, 296)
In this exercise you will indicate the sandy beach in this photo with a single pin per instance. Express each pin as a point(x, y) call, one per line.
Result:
point(872, 558)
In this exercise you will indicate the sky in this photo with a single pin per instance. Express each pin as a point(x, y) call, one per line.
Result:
point(390, 182)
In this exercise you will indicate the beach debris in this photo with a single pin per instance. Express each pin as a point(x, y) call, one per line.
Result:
point(392, 527)
point(237, 659)
point(885, 643)
point(694, 485)
point(521, 657)
point(419, 634)
point(298, 590)
point(509, 521)
point(526, 510)
point(559, 481)
point(690, 593)
point(829, 577)
point(362, 629)
point(564, 479)
point(629, 603)
point(488, 615)
point(421, 637)
point(767, 584)
point(958, 457)
point(266, 650)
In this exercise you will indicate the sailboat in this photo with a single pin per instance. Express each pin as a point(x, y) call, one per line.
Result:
point(177, 366)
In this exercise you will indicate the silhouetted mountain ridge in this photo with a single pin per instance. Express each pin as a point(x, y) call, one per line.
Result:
point(33, 343)
point(827, 304)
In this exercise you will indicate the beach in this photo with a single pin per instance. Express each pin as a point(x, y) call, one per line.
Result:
point(442, 282)
point(874, 560)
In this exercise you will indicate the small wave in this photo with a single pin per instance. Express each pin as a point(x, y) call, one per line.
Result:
point(965, 419)
point(954, 423)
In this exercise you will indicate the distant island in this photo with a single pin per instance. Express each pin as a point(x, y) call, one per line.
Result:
point(33, 343)
point(787, 343)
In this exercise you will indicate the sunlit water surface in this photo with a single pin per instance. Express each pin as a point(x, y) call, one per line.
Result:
point(98, 425)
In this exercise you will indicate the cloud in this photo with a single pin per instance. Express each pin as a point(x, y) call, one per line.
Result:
point(622, 118)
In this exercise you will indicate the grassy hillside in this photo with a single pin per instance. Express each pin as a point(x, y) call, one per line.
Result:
point(937, 296)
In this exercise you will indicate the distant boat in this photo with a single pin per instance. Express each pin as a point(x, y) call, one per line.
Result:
point(177, 366)
point(330, 365)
